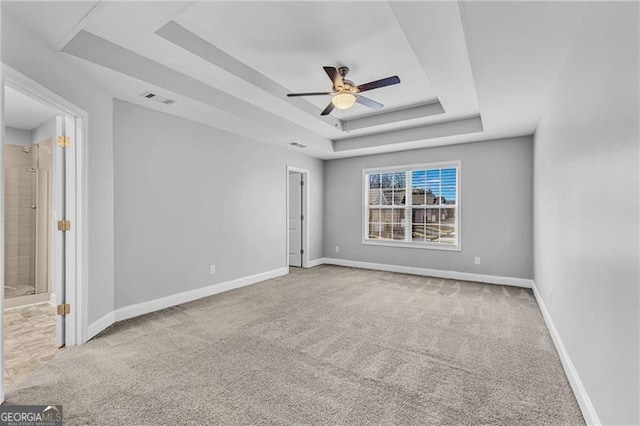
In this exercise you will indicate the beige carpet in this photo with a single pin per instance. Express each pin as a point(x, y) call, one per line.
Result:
point(328, 345)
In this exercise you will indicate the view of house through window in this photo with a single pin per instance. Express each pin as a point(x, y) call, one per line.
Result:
point(416, 205)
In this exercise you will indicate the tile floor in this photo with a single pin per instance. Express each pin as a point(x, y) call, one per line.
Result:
point(29, 340)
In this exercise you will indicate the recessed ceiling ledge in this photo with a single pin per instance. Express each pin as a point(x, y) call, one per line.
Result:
point(449, 128)
point(394, 116)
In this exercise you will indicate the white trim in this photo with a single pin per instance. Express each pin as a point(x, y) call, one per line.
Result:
point(177, 299)
point(584, 402)
point(306, 208)
point(2, 141)
point(409, 244)
point(315, 262)
point(187, 296)
point(100, 324)
point(457, 164)
point(46, 302)
point(27, 300)
point(438, 273)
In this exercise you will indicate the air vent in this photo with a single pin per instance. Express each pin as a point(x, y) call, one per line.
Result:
point(299, 145)
point(157, 98)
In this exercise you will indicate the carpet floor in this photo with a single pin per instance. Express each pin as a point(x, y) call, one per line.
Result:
point(326, 345)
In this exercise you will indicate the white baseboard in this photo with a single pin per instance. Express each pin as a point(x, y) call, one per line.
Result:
point(438, 273)
point(99, 325)
point(187, 296)
point(588, 410)
point(177, 299)
point(24, 301)
point(315, 262)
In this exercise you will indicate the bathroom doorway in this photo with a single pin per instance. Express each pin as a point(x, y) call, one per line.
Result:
point(43, 249)
point(29, 240)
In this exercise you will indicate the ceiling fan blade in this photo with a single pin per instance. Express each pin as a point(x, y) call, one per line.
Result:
point(379, 83)
point(290, 95)
point(368, 102)
point(334, 75)
point(328, 109)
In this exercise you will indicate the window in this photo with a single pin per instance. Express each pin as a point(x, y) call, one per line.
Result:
point(413, 206)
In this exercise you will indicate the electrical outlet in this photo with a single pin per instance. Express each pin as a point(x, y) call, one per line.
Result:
point(212, 269)
point(476, 260)
point(337, 249)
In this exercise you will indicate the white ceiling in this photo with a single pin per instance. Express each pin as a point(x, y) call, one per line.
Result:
point(469, 70)
point(299, 38)
point(23, 112)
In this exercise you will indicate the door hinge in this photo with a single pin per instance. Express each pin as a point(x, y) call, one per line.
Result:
point(64, 141)
point(301, 251)
point(301, 183)
point(301, 217)
point(63, 309)
point(64, 225)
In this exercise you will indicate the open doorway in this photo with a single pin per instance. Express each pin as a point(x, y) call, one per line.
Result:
point(29, 309)
point(41, 231)
point(297, 217)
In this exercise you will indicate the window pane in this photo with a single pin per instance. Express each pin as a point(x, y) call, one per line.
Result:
point(387, 197)
point(419, 216)
point(448, 226)
point(432, 215)
point(448, 195)
point(400, 180)
point(374, 230)
point(432, 233)
point(387, 180)
point(386, 215)
point(374, 181)
point(447, 216)
point(448, 177)
point(418, 233)
point(418, 196)
point(433, 181)
point(398, 215)
point(399, 198)
point(398, 232)
point(419, 178)
point(374, 215)
point(375, 197)
point(387, 231)
point(418, 188)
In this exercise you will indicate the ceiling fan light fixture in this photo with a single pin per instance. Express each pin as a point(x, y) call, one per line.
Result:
point(343, 100)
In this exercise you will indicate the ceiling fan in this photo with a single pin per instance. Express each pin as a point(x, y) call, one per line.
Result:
point(345, 93)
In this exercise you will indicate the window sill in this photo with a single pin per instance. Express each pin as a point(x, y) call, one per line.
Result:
point(405, 244)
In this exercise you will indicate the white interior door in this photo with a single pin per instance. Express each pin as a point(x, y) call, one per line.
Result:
point(295, 219)
point(58, 237)
point(70, 236)
point(63, 209)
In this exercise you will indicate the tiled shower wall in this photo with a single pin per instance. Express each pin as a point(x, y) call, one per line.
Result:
point(20, 220)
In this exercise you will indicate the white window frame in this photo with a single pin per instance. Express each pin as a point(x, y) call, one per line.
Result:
point(408, 204)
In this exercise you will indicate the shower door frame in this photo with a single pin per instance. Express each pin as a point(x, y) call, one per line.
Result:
point(75, 252)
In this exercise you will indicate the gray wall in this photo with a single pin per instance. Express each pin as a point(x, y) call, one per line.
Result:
point(586, 208)
point(44, 130)
point(189, 195)
point(496, 209)
point(14, 136)
point(29, 55)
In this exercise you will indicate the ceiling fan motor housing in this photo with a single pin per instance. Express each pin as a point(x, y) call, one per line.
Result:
point(345, 93)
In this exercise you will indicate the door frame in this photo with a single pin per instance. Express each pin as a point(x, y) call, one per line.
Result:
point(305, 212)
point(76, 249)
